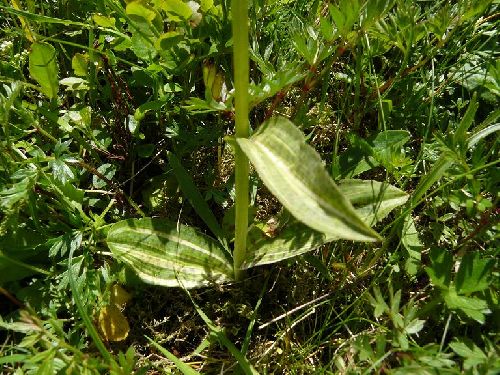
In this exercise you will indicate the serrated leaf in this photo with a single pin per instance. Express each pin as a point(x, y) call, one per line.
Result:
point(441, 266)
point(471, 352)
point(108, 171)
point(66, 243)
point(43, 68)
point(411, 242)
point(17, 192)
point(415, 326)
point(169, 254)
point(372, 201)
point(474, 274)
point(473, 307)
point(294, 173)
point(61, 171)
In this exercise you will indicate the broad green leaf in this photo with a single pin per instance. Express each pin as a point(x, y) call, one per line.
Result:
point(104, 21)
point(474, 273)
point(372, 201)
point(79, 63)
point(43, 68)
point(168, 40)
point(206, 5)
point(177, 10)
point(294, 173)
point(140, 9)
point(169, 254)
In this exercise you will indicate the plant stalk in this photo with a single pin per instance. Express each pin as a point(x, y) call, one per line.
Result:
point(239, 9)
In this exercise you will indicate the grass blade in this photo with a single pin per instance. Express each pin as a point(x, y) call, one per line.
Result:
point(184, 368)
point(194, 196)
point(218, 332)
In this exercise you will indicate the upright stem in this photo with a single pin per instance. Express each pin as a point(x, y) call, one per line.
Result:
point(239, 9)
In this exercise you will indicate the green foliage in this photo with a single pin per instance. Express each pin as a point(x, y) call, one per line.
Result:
point(361, 114)
point(43, 68)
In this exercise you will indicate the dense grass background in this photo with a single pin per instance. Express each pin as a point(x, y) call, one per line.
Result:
point(398, 91)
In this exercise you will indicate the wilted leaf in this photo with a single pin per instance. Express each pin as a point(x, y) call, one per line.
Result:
point(119, 296)
point(113, 324)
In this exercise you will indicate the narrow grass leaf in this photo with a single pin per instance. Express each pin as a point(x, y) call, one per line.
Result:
point(218, 332)
point(466, 122)
point(194, 196)
point(169, 254)
point(43, 68)
point(372, 201)
point(41, 18)
point(82, 310)
point(184, 368)
point(294, 173)
point(427, 180)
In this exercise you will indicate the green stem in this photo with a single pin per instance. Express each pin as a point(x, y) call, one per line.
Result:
point(239, 10)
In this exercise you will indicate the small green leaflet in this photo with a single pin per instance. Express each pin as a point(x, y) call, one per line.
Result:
point(43, 68)
point(293, 171)
point(168, 254)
